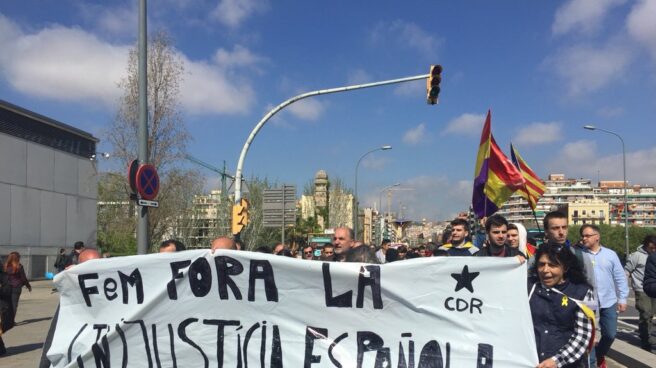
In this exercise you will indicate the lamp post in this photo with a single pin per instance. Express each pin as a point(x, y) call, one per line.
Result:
point(380, 209)
point(626, 207)
point(357, 200)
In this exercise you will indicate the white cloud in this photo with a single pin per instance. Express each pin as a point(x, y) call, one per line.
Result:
point(610, 112)
point(641, 24)
point(415, 89)
point(239, 57)
point(70, 64)
point(207, 90)
point(539, 133)
point(415, 135)
point(584, 69)
point(233, 12)
point(466, 124)
point(583, 159)
point(308, 109)
point(582, 15)
point(358, 76)
point(119, 20)
point(375, 161)
point(407, 34)
point(62, 64)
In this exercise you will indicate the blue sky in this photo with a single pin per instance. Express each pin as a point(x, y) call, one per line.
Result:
point(545, 69)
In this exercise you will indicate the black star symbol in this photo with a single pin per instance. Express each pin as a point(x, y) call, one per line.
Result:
point(465, 279)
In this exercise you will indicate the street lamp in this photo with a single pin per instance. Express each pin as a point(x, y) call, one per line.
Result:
point(357, 166)
point(380, 208)
point(95, 156)
point(626, 208)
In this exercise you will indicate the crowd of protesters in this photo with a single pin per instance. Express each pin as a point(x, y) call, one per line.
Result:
point(573, 286)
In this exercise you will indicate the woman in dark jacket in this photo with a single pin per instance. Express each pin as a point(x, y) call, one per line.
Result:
point(563, 331)
point(16, 278)
point(649, 281)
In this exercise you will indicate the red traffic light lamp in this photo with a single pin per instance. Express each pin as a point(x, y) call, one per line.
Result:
point(433, 84)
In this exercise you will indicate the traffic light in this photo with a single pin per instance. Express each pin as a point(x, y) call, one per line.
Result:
point(239, 216)
point(433, 84)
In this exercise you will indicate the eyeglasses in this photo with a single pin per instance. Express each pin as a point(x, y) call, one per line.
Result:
point(307, 252)
point(585, 236)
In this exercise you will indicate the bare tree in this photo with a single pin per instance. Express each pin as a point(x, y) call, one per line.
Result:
point(340, 206)
point(167, 134)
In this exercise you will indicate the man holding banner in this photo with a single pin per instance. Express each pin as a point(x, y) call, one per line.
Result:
point(230, 308)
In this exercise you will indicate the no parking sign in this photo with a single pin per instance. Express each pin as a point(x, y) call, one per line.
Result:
point(147, 181)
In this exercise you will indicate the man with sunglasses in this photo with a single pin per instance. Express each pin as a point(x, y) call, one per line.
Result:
point(611, 285)
point(308, 252)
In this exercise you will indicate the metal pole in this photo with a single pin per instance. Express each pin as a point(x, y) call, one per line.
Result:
point(626, 202)
point(380, 208)
point(283, 214)
point(624, 185)
point(142, 225)
point(270, 114)
point(357, 199)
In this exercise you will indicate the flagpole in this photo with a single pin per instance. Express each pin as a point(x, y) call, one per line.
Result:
point(535, 216)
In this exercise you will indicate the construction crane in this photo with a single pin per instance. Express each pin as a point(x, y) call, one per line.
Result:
point(223, 173)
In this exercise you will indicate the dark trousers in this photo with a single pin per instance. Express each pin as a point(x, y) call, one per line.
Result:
point(15, 296)
point(646, 306)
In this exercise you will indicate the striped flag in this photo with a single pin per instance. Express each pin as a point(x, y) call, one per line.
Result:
point(533, 187)
point(496, 178)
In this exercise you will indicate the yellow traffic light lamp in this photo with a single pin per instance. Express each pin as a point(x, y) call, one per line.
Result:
point(239, 216)
point(433, 84)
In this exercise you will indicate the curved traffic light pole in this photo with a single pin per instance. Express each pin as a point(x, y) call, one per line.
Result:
point(269, 115)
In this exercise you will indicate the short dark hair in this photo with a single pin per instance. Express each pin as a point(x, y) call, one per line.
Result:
point(552, 215)
point(362, 255)
point(651, 238)
point(78, 245)
point(461, 222)
point(589, 226)
point(263, 249)
point(495, 220)
point(179, 246)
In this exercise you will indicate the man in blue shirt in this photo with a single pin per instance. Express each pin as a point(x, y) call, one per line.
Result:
point(612, 287)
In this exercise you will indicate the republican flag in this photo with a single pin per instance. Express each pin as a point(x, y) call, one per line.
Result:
point(533, 187)
point(496, 178)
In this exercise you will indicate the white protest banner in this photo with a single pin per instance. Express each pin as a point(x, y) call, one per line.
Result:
point(240, 309)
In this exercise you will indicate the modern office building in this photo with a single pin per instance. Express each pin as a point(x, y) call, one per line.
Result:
point(48, 187)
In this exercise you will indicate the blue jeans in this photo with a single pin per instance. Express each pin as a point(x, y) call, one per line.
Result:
point(608, 325)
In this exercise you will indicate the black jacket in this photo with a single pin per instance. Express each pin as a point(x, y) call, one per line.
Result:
point(509, 251)
point(649, 282)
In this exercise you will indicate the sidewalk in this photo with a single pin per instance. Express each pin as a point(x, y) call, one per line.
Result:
point(35, 311)
point(25, 340)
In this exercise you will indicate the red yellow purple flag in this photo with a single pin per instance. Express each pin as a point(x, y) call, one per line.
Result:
point(496, 178)
point(533, 187)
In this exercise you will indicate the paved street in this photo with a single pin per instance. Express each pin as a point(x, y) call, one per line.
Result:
point(35, 311)
point(24, 342)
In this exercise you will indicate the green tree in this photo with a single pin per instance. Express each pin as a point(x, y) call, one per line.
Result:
point(613, 237)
